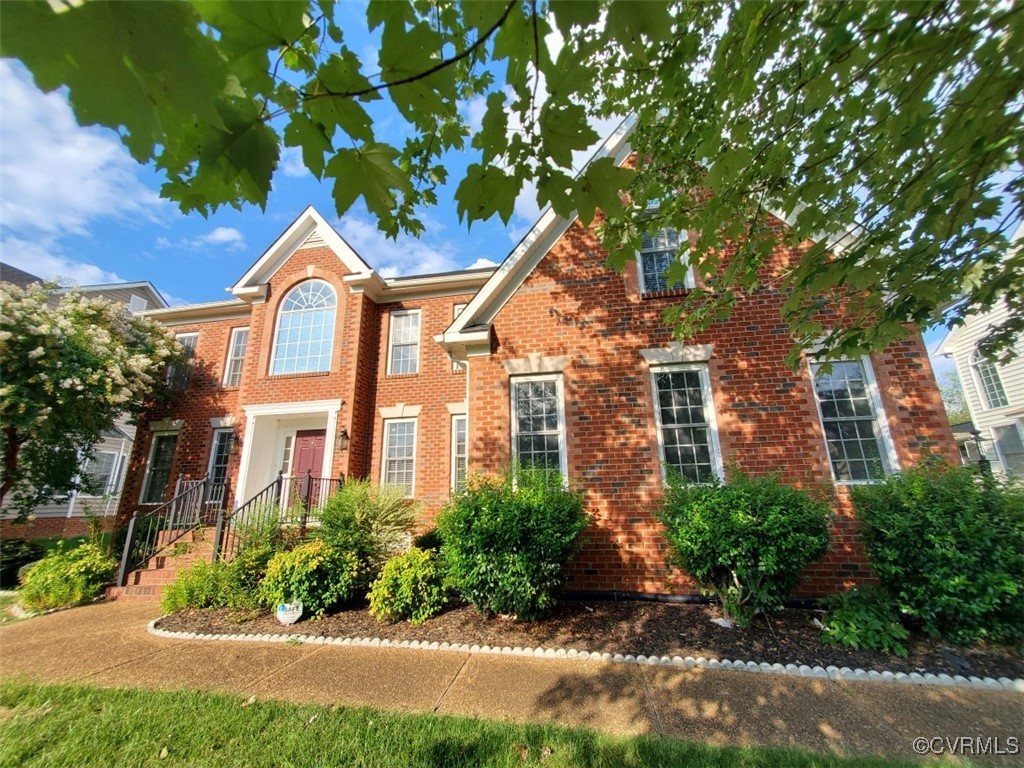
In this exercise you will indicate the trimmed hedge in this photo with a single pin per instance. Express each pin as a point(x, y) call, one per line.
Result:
point(410, 586)
point(66, 577)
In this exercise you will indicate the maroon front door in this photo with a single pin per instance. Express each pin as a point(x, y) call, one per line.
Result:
point(308, 464)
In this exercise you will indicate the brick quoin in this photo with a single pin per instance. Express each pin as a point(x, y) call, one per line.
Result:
point(571, 305)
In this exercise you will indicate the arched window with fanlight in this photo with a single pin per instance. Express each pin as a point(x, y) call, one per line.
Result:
point(305, 329)
point(989, 384)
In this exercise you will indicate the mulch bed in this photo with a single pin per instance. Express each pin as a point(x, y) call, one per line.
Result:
point(651, 629)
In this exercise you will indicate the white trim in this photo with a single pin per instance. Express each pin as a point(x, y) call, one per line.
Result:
point(277, 328)
point(290, 241)
point(689, 282)
point(890, 459)
point(308, 407)
point(563, 456)
point(452, 472)
point(710, 416)
point(674, 353)
point(391, 338)
point(385, 443)
point(228, 358)
point(111, 476)
point(400, 411)
point(1019, 426)
point(213, 450)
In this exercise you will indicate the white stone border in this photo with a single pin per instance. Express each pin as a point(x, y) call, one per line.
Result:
point(688, 662)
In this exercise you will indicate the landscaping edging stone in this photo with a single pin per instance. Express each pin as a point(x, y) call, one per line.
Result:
point(688, 662)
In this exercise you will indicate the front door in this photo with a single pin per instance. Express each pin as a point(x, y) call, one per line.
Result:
point(308, 460)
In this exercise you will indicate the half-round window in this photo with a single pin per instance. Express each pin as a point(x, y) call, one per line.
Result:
point(305, 329)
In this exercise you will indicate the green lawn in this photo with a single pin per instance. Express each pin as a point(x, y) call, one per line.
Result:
point(65, 725)
point(6, 601)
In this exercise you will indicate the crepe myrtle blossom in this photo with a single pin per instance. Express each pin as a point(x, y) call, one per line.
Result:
point(70, 367)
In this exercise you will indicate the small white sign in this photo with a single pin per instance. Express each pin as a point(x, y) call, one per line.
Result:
point(289, 613)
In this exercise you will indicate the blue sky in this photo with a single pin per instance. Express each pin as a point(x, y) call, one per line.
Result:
point(74, 206)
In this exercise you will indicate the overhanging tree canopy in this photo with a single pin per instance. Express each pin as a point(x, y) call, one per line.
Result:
point(890, 133)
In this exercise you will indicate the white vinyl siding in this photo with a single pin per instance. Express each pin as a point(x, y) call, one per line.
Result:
point(304, 339)
point(236, 357)
point(398, 466)
point(538, 423)
point(460, 452)
point(685, 417)
point(404, 342)
point(853, 422)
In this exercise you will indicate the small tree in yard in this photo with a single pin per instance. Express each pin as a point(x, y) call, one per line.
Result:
point(745, 541)
point(69, 370)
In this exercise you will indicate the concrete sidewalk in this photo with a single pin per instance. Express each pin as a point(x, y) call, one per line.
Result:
point(107, 644)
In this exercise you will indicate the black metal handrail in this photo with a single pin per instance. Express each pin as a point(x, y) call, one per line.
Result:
point(156, 529)
point(285, 502)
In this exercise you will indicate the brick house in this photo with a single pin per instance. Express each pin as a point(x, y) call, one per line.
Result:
point(318, 365)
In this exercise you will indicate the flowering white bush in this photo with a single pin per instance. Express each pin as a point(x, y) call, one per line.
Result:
point(70, 366)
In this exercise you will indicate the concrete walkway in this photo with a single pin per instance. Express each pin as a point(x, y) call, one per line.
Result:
point(107, 645)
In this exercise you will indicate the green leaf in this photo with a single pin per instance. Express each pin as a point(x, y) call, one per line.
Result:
point(311, 137)
point(369, 171)
point(564, 129)
point(578, 13)
point(486, 190)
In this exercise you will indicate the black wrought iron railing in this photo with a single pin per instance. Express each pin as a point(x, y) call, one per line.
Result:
point(153, 530)
point(287, 502)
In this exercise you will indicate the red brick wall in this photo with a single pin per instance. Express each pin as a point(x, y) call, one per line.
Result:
point(767, 419)
point(51, 527)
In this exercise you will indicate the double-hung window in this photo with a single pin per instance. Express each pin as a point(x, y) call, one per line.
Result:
point(538, 423)
point(1009, 444)
point(460, 452)
point(685, 417)
point(177, 376)
point(991, 386)
point(102, 470)
point(236, 357)
point(158, 469)
point(404, 338)
point(399, 464)
point(220, 455)
point(853, 422)
point(305, 329)
point(658, 253)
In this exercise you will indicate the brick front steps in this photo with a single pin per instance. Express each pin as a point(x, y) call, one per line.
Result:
point(147, 584)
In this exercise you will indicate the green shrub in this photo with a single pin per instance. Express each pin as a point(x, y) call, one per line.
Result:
point(506, 544)
point(429, 539)
point(947, 546)
point(410, 586)
point(373, 521)
point(318, 574)
point(66, 578)
point(14, 554)
point(746, 541)
point(865, 618)
point(201, 585)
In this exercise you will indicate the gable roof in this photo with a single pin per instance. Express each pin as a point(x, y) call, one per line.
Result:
point(253, 283)
point(18, 277)
point(472, 326)
point(122, 292)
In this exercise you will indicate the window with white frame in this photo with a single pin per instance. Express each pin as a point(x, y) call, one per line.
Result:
point(1009, 442)
point(177, 376)
point(456, 311)
point(989, 384)
point(658, 252)
point(851, 420)
point(305, 329)
point(399, 461)
point(102, 472)
point(460, 452)
point(685, 417)
point(236, 357)
point(404, 342)
point(538, 423)
point(220, 455)
point(158, 469)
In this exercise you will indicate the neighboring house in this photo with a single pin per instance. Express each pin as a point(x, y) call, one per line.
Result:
point(318, 365)
point(965, 436)
point(65, 516)
point(994, 391)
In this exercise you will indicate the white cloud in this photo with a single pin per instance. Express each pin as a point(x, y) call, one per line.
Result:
point(391, 258)
point(45, 260)
point(481, 263)
point(227, 237)
point(473, 111)
point(56, 176)
point(291, 163)
point(162, 243)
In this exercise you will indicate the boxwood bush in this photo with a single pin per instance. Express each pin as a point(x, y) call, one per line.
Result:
point(410, 586)
point(66, 577)
point(947, 545)
point(745, 541)
point(507, 541)
point(316, 573)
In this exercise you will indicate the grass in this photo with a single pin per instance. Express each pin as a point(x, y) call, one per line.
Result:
point(6, 601)
point(70, 725)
